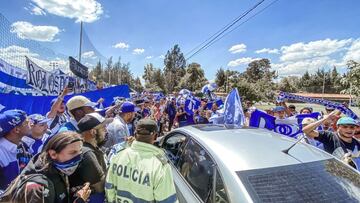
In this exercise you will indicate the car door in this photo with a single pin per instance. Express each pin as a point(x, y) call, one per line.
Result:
point(194, 171)
point(173, 145)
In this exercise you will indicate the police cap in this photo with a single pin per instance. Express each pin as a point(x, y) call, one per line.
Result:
point(146, 127)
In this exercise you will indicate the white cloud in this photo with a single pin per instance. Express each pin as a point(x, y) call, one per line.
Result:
point(138, 51)
point(37, 11)
point(300, 57)
point(121, 45)
point(81, 10)
point(238, 48)
point(149, 57)
point(241, 61)
point(26, 30)
point(267, 50)
point(298, 68)
point(354, 52)
point(89, 54)
point(162, 56)
point(89, 65)
point(15, 55)
point(320, 48)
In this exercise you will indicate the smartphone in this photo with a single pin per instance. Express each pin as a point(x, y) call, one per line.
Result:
point(71, 83)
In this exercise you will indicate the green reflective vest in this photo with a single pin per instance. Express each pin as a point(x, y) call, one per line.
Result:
point(140, 173)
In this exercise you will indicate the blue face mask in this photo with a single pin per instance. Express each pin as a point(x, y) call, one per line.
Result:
point(68, 167)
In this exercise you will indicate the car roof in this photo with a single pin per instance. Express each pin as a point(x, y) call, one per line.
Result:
point(251, 148)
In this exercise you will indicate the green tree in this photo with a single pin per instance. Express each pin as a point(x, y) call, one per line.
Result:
point(220, 79)
point(154, 78)
point(174, 68)
point(148, 73)
point(137, 85)
point(259, 69)
point(287, 86)
point(194, 79)
point(97, 72)
point(108, 70)
point(247, 90)
point(351, 80)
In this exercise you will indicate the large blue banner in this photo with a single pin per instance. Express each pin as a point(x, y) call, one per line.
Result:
point(41, 104)
point(291, 126)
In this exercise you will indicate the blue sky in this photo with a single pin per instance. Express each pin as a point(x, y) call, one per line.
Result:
point(295, 35)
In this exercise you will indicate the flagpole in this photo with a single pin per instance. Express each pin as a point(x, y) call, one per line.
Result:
point(81, 30)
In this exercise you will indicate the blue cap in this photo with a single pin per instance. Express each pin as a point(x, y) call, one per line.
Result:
point(38, 119)
point(279, 108)
point(346, 121)
point(11, 119)
point(127, 107)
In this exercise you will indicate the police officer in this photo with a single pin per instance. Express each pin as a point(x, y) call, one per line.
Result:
point(141, 172)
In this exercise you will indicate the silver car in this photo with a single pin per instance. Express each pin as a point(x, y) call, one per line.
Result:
point(212, 163)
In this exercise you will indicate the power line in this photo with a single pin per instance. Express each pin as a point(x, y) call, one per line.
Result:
point(214, 40)
point(240, 24)
point(227, 27)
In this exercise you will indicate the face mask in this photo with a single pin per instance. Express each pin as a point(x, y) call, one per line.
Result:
point(68, 167)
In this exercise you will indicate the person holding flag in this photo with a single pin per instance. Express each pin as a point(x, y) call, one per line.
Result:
point(337, 143)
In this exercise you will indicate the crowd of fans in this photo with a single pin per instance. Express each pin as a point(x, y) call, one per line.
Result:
point(79, 152)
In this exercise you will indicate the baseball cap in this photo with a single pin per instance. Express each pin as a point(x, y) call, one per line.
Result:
point(79, 101)
point(127, 107)
point(279, 108)
point(11, 119)
point(346, 121)
point(146, 126)
point(91, 120)
point(38, 119)
point(307, 121)
point(139, 101)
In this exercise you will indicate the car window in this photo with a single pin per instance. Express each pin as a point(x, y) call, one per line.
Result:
point(196, 166)
point(220, 195)
point(172, 146)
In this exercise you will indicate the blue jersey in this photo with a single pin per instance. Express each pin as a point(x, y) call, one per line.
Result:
point(9, 167)
point(35, 145)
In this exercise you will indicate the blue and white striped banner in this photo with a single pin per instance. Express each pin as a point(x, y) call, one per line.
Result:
point(348, 112)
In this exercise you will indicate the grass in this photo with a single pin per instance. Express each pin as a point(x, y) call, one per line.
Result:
point(316, 107)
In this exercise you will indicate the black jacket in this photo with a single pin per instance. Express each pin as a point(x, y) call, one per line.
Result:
point(51, 186)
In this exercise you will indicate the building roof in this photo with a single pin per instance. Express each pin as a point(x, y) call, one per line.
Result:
point(320, 95)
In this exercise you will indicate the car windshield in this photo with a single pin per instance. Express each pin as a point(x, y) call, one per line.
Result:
point(327, 180)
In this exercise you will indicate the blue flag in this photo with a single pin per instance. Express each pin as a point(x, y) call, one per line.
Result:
point(191, 104)
point(233, 113)
point(290, 126)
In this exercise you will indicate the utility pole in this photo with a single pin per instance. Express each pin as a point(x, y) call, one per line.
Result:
point(323, 89)
point(227, 80)
point(81, 30)
point(350, 95)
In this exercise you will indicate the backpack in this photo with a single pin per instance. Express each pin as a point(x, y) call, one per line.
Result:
point(15, 192)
